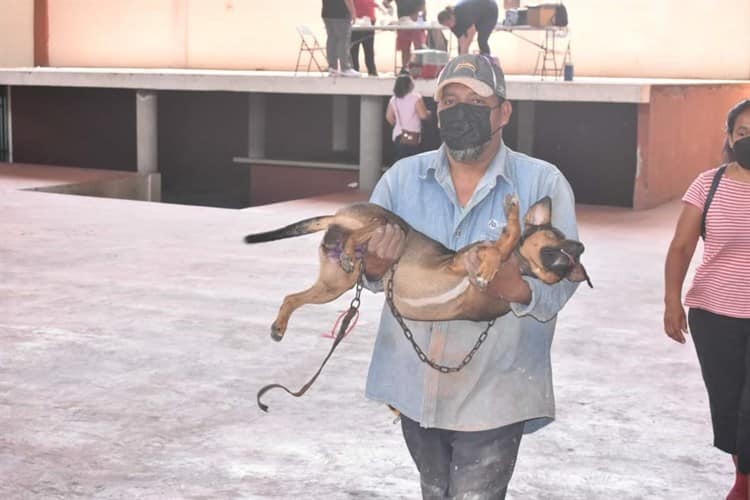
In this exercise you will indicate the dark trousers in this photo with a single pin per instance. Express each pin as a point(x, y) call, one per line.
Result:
point(455, 464)
point(367, 40)
point(486, 26)
point(723, 347)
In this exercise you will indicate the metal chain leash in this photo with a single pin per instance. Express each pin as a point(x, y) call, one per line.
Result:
point(354, 304)
point(410, 337)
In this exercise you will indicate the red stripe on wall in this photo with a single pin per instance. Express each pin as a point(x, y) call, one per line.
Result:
point(41, 33)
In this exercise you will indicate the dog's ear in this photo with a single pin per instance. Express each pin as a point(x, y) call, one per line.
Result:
point(540, 213)
point(578, 273)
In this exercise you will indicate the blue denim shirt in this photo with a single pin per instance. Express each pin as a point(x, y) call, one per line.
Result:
point(510, 378)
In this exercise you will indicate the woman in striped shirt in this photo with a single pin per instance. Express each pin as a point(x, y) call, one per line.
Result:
point(719, 302)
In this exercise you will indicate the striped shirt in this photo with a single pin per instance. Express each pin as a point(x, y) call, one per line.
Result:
point(721, 281)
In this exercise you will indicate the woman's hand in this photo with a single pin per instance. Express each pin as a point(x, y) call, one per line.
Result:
point(675, 322)
point(384, 248)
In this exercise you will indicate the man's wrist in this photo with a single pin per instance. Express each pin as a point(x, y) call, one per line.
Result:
point(519, 292)
point(523, 295)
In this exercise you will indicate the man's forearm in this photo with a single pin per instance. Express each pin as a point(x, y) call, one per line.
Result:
point(350, 7)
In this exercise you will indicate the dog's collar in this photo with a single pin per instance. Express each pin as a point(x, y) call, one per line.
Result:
point(531, 229)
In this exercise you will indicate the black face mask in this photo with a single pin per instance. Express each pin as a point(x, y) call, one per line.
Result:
point(741, 150)
point(464, 126)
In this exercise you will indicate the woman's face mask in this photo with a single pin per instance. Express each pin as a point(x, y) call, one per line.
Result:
point(465, 126)
point(741, 151)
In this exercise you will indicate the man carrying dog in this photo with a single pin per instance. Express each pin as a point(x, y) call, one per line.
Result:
point(463, 429)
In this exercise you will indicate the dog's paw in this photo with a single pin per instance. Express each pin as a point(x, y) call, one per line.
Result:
point(277, 333)
point(347, 263)
point(481, 282)
point(511, 203)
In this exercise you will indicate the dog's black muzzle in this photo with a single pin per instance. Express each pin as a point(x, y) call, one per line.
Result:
point(561, 260)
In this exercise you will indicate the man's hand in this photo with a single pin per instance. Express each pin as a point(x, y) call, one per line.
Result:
point(352, 11)
point(507, 284)
point(384, 248)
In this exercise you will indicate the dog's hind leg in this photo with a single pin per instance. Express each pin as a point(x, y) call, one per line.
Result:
point(356, 238)
point(331, 284)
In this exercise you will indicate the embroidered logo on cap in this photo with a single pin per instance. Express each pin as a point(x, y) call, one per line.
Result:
point(468, 65)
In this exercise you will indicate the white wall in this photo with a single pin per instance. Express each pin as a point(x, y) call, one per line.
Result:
point(636, 38)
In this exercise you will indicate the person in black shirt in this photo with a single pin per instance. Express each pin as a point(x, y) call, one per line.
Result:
point(469, 18)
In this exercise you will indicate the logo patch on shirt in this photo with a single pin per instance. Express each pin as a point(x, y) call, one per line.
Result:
point(492, 232)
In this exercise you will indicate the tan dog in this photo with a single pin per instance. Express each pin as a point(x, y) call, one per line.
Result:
point(431, 282)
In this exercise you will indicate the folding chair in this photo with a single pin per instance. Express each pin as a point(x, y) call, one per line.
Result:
point(309, 44)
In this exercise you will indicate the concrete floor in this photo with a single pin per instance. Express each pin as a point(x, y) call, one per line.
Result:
point(134, 336)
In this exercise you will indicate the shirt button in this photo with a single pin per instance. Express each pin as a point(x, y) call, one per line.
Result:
point(458, 233)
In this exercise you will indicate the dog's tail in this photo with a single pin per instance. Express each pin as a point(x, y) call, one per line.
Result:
point(300, 228)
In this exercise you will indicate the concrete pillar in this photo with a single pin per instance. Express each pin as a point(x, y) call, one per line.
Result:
point(256, 129)
point(370, 141)
point(340, 125)
point(9, 123)
point(524, 111)
point(147, 142)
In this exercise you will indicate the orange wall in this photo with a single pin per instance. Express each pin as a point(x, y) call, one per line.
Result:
point(118, 33)
point(677, 141)
point(653, 38)
point(16, 33)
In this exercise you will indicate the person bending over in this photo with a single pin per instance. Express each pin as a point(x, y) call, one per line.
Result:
point(470, 18)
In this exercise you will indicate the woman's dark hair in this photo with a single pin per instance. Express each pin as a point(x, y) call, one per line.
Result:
point(736, 111)
point(403, 86)
point(446, 14)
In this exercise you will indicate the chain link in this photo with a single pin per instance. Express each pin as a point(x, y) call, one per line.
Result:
point(354, 304)
point(410, 337)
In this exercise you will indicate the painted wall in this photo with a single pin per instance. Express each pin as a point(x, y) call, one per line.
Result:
point(275, 183)
point(664, 38)
point(16, 33)
point(680, 134)
point(118, 33)
point(91, 128)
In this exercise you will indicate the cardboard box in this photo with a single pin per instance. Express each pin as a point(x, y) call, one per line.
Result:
point(511, 4)
point(542, 15)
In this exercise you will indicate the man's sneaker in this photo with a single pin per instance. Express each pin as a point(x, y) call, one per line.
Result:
point(351, 73)
point(333, 72)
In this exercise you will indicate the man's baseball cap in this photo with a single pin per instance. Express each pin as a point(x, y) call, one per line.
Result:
point(478, 72)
